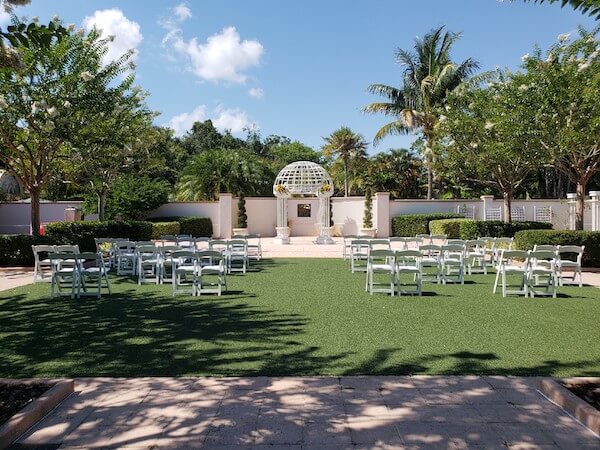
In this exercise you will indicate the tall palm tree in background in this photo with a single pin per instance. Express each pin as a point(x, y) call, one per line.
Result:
point(346, 145)
point(429, 75)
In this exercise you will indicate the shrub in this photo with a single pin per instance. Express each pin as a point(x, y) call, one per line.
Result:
point(83, 233)
point(412, 224)
point(525, 240)
point(163, 228)
point(15, 249)
point(368, 215)
point(473, 229)
point(242, 217)
point(449, 227)
point(196, 226)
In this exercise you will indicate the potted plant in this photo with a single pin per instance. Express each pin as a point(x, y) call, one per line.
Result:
point(367, 229)
point(242, 217)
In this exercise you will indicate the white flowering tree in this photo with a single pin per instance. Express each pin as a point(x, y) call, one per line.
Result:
point(490, 137)
point(58, 90)
point(565, 93)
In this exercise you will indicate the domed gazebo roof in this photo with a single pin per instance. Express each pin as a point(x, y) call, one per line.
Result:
point(302, 178)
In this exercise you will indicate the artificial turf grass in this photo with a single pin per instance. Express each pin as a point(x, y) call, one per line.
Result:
point(298, 317)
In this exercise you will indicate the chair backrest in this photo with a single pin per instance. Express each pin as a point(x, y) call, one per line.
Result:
point(507, 256)
point(168, 238)
point(218, 244)
point(210, 258)
point(103, 244)
point(409, 257)
point(185, 240)
point(475, 244)
point(453, 250)
point(146, 250)
point(383, 244)
point(440, 239)
point(384, 255)
point(349, 237)
point(74, 249)
point(62, 260)
point(571, 252)
point(430, 250)
point(456, 242)
point(200, 243)
point(90, 259)
point(184, 258)
point(551, 248)
point(413, 243)
point(504, 243)
point(124, 246)
point(167, 250)
point(543, 255)
point(489, 241)
point(238, 245)
point(43, 249)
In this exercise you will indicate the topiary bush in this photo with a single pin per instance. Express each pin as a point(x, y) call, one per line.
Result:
point(242, 217)
point(412, 224)
point(163, 228)
point(473, 229)
point(368, 214)
point(525, 240)
point(15, 249)
point(196, 226)
point(83, 233)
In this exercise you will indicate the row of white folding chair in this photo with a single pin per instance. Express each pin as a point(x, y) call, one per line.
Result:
point(568, 258)
point(536, 271)
point(254, 245)
point(74, 270)
point(42, 260)
point(394, 264)
point(191, 272)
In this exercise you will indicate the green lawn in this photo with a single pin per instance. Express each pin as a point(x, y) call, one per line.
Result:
point(299, 317)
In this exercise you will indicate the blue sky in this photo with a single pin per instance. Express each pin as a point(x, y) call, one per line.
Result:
point(297, 68)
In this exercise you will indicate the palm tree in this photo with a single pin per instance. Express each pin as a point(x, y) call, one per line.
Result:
point(429, 75)
point(346, 145)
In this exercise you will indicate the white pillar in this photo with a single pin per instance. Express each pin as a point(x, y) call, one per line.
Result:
point(282, 229)
point(325, 231)
point(488, 202)
point(225, 215)
point(571, 199)
point(381, 214)
point(595, 203)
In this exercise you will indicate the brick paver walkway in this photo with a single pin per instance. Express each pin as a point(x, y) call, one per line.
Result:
point(418, 412)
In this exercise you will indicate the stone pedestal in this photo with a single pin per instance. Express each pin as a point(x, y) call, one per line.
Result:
point(283, 235)
point(325, 236)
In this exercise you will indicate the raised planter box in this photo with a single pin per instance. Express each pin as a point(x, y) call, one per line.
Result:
point(578, 408)
point(34, 411)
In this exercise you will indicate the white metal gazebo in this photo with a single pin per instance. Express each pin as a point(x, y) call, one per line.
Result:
point(303, 178)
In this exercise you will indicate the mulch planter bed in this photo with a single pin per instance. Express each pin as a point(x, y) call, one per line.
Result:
point(589, 392)
point(14, 397)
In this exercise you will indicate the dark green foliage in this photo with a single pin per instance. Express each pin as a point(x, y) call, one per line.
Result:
point(242, 218)
point(196, 226)
point(132, 196)
point(412, 224)
point(525, 240)
point(163, 228)
point(473, 229)
point(83, 233)
point(368, 215)
point(15, 249)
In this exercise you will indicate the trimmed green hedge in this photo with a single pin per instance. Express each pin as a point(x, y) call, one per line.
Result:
point(163, 228)
point(15, 249)
point(83, 233)
point(412, 224)
point(196, 226)
point(525, 240)
point(473, 229)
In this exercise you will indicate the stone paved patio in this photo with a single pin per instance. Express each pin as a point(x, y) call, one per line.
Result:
point(421, 412)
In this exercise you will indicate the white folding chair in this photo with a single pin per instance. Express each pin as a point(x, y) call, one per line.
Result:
point(41, 257)
point(379, 244)
point(431, 263)
point(489, 250)
point(397, 243)
point(475, 253)
point(184, 264)
point(148, 264)
point(92, 267)
point(347, 243)
point(186, 241)
point(512, 263)
point(541, 279)
point(500, 244)
point(254, 246)
point(65, 274)
point(125, 257)
point(438, 239)
point(166, 262)
point(408, 262)
point(425, 239)
point(359, 255)
point(237, 256)
point(381, 261)
point(168, 240)
point(570, 257)
point(453, 263)
point(411, 243)
point(211, 266)
point(104, 246)
point(201, 243)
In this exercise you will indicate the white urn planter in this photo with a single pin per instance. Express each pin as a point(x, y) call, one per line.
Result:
point(371, 232)
point(325, 236)
point(283, 235)
point(240, 231)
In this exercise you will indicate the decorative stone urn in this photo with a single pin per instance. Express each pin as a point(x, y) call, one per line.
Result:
point(240, 231)
point(325, 236)
point(371, 232)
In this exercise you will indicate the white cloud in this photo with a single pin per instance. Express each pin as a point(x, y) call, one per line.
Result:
point(112, 22)
point(223, 57)
point(4, 17)
point(233, 119)
point(182, 12)
point(256, 92)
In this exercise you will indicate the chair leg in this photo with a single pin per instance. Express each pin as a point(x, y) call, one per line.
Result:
point(496, 281)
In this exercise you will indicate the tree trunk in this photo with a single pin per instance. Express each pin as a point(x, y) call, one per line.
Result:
point(101, 205)
point(34, 194)
point(580, 205)
point(429, 181)
point(345, 178)
point(507, 206)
